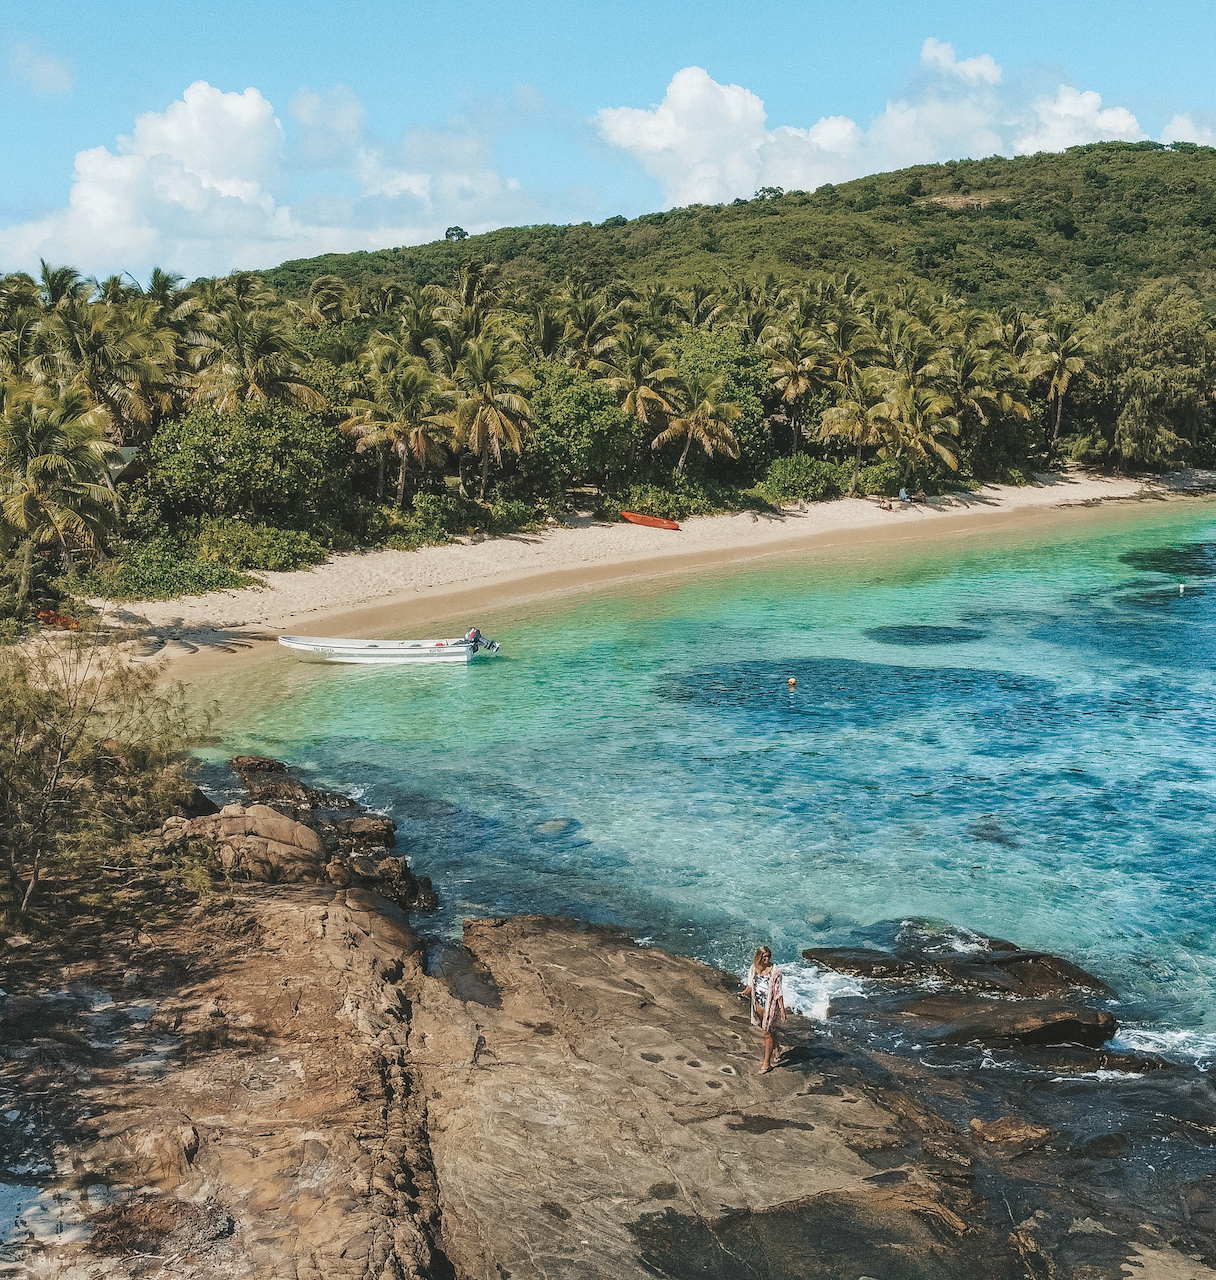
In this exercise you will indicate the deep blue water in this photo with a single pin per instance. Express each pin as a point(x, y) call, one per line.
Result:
point(1016, 737)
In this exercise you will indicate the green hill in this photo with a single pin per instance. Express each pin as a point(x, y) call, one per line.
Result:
point(1073, 225)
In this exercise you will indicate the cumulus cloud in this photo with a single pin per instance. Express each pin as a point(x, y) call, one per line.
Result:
point(1072, 118)
point(1182, 128)
point(940, 56)
point(43, 72)
point(708, 142)
point(201, 187)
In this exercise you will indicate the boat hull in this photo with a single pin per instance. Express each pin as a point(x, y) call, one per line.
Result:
point(651, 522)
point(380, 653)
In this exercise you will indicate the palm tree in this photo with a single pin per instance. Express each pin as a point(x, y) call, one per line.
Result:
point(637, 370)
point(700, 305)
point(119, 355)
point(703, 416)
point(1060, 351)
point(590, 325)
point(794, 368)
point(53, 453)
point(493, 410)
point(62, 284)
point(914, 422)
point(851, 418)
point(401, 414)
point(250, 355)
point(980, 382)
point(327, 302)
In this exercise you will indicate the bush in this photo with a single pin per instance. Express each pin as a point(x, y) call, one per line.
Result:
point(809, 479)
point(880, 478)
point(259, 546)
point(680, 497)
point(160, 569)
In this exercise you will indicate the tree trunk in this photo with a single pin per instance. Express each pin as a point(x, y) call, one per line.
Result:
point(109, 483)
point(684, 455)
point(29, 893)
point(401, 482)
point(1055, 435)
point(485, 466)
point(27, 572)
point(856, 472)
point(460, 475)
point(380, 473)
point(794, 425)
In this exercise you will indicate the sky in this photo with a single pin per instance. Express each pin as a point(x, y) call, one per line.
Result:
point(206, 138)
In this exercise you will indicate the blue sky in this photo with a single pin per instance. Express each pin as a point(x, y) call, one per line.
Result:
point(207, 137)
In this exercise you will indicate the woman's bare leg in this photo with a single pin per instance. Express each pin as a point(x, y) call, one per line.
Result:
point(770, 1048)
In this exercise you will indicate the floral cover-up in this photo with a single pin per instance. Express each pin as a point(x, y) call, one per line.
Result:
point(766, 992)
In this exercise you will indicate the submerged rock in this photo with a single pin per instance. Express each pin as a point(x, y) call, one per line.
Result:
point(269, 782)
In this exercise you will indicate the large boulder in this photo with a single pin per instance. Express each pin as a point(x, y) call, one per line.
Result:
point(259, 843)
point(943, 1020)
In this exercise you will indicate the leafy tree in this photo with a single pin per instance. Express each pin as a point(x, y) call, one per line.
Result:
point(701, 414)
point(53, 453)
point(493, 409)
point(91, 752)
point(401, 413)
point(1059, 355)
point(1153, 373)
point(455, 233)
point(250, 355)
point(257, 461)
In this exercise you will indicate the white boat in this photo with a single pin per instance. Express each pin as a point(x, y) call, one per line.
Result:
point(389, 652)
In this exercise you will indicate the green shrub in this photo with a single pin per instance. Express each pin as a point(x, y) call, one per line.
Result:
point(512, 516)
point(160, 569)
point(881, 478)
point(237, 545)
point(680, 497)
point(807, 478)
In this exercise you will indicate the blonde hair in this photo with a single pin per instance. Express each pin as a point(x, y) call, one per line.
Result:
point(761, 951)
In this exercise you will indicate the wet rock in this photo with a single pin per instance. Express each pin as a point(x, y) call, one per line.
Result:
point(268, 782)
point(942, 1020)
point(1001, 967)
point(367, 831)
point(862, 962)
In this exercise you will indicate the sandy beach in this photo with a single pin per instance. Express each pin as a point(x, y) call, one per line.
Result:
point(385, 591)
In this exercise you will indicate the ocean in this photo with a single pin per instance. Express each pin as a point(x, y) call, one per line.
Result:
point(1011, 734)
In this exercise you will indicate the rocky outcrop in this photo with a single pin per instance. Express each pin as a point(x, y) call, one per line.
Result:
point(282, 1084)
point(269, 782)
point(998, 995)
point(237, 1101)
point(999, 967)
point(257, 842)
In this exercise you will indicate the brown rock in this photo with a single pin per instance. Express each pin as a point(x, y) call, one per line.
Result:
point(862, 962)
point(338, 873)
point(1008, 1129)
point(368, 831)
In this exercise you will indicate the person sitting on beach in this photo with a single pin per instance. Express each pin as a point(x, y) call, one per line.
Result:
point(764, 988)
point(886, 506)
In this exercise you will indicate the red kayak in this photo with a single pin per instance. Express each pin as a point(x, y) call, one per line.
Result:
point(652, 522)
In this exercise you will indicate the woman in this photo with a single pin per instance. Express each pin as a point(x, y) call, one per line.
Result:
point(764, 988)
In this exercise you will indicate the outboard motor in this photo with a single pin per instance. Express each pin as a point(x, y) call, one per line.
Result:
point(478, 641)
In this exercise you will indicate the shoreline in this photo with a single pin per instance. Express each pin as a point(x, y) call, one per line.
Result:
point(364, 593)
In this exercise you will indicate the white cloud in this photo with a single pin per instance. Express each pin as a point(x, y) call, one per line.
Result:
point(43, 72)
point(200, 188)
point(707, 142)
point(1072, 118)
point(1182, 128)
point(940, 56)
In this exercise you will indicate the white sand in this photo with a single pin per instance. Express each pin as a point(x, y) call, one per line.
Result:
point(361, 593)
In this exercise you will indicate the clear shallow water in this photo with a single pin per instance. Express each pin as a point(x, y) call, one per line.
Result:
point(1016, 737)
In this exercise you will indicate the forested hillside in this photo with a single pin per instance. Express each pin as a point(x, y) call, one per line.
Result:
point(1072, 226)
point(170, 438)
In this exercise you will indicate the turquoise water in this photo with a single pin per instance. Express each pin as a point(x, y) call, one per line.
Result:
point(1017, 736)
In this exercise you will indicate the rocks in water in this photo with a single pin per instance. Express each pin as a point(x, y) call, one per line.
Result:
point(954, 1020)
point(1034, 992)
point(367, 831)
point(1001, 967)
point(268, 782)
